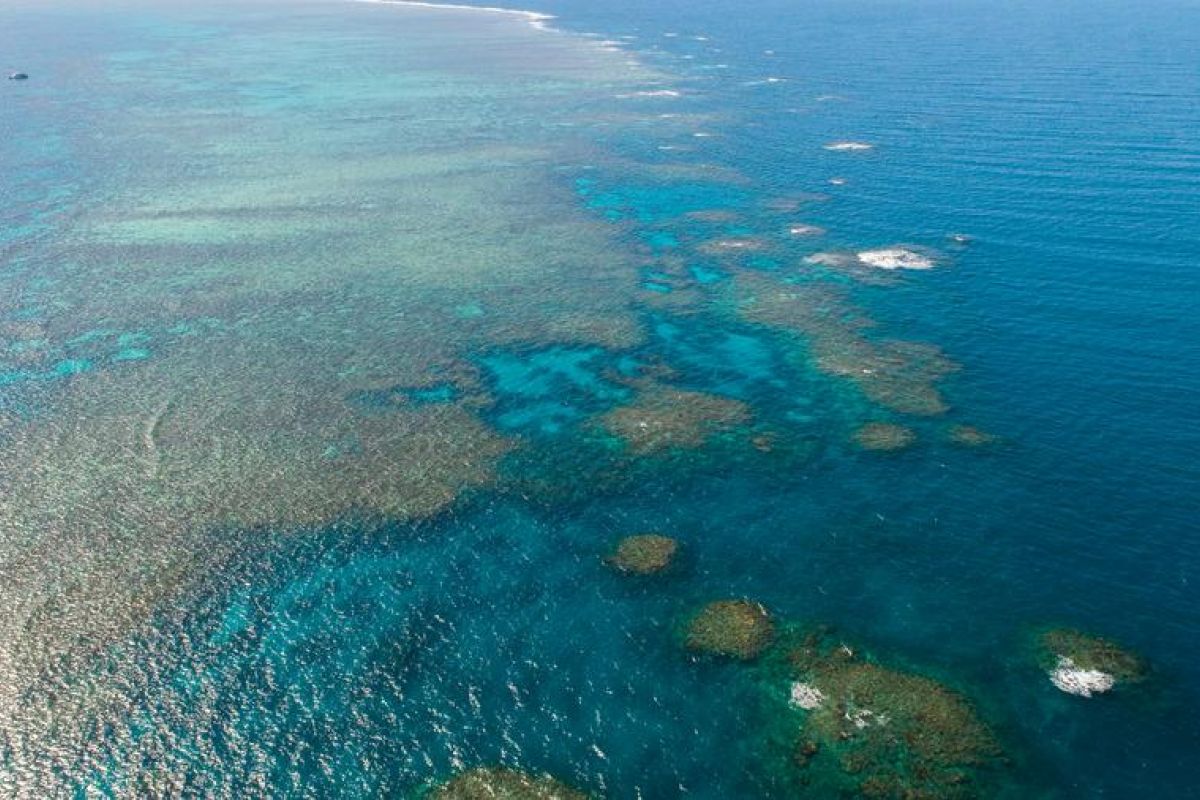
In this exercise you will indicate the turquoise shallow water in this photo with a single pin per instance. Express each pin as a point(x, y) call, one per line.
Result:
point(319, 326)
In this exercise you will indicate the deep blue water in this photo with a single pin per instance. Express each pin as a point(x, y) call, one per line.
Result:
point(355, 659)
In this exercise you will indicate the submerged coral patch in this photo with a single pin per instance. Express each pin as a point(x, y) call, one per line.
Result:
point(502, 783)
point(551, 371)
point(399, 396)
point(644, 554)
point(834, 259)
point(705, 275)
point(547, 389)
point(650, 203)
point(970, 436)
point(884, 436)
point(738, 362)
point(899, 375)
point(735, 244)
point(664, 418)
point(738, 629)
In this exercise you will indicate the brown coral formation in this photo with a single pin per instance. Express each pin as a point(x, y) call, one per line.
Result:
point(502, 783)
point(664, 418)
point(644, 554)
point(970, 436)
point(735, 628)
point(898, 375)
point(874, 731)
point(884, 436)
point(1088, 652)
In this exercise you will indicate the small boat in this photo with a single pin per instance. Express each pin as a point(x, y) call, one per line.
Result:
point(18, 76)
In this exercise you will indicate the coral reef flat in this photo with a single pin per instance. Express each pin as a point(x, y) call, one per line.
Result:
point(598, 400)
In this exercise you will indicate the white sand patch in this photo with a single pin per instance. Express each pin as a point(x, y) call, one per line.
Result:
point(1081, 682)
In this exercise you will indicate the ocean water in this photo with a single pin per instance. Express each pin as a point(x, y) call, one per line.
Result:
point(341, 342)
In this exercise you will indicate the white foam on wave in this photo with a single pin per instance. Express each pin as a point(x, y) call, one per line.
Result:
point(534, 18)
point(849, 147)
point(895, 258)
point(806, 696)
point(764, 81)
point(865, 717)
point(1072, 679)
point(651, 93)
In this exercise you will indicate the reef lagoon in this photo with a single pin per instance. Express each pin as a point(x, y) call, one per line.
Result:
point(600, 400)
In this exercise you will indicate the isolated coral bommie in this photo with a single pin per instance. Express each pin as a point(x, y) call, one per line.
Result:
point(1081, 664)
point(644, 554)
point(502, 783)
point(970, 436)
point(736, 628)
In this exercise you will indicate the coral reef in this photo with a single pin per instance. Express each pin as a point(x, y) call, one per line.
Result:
point(644, 554)
point(856, 727)
point(662, 418)
point(970, 436)
point(502, 783)
point(736, 628)
point(1081, 664)
point(884, 436)
point(745, 244)
point(899, 375)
